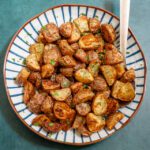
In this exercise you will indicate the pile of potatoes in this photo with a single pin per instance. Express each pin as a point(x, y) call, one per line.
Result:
point(75, 77)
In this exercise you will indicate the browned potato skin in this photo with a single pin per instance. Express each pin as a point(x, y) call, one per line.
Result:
point(75, 46)
point(109, 47)
point(94, 123)
point(79, 121)
point(69, 101)
point(47, 70)
point(41, 39)
point(120, 70)
point(65, 48)
point(113, 120)
point(29, 91)
point(68, 72)
point(128, 76)
point(83, 109)
point(108, 33)
point(22, 77)
point(93, 68)
point(66, 29)
point(101, 41)
point(84, 131)
point(79, 66)
point(76, 87)
point(92, 56)
point(81, 55)
point(50, 32)
point(94, 25)
point(83, 96)
point(52, 127)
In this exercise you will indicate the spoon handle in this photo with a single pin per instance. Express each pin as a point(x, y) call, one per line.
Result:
point(124, 23)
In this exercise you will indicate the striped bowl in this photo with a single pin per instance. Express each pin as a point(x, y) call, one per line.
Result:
point(18, 50)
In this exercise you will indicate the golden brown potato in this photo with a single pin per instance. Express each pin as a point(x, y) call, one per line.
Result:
point(83, 109)
point(79, 121)
point(99, 105)
point(50, 32)
point(106, 93)
point(52, 127)
point(68, 72)
point(66, 29)
point(95, 123)
point(29, 91)
point(32, 62)
point(79, 66)
point(109, 73)
point(82, 23)
point(84, 131)
point(113, 120)
point(92, 56)
point(120, 70)
point(76, 87)
point(67, 61)
point(83, 96)
point(47, 70)
point(75, 35)
point(60, 94)
point(84, 76)
point(65, 48)
point(88, 42)
point(108, 33)
point(128, 76)
point(81, 55)
point(69, 102)
point(93, 68)
point(75, 46)
point(94, 25)
point(41, 39)
point(101, 41)
point(22, 77)
point(109, 47)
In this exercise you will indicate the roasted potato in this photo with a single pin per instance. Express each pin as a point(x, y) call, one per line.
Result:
point(95, 123)
point(81, 55)
point(108, 33)
point(113, 120)
point(41, 39)
point(22, 77)
point(79, 121)
point(120, 70)
point(60, 94)
point(68, 72)
point(83, 109)
point(52, 126)
point(84, 76)
point(92, 56)
point(79, 66)
point(76, 87)
point(93, 68)
point(94, 25)
point(102, 43)
point(84, 131)
point(75, 46)
point(109, 73)
point(109, 47)
point(47, 70)
point(128, 76)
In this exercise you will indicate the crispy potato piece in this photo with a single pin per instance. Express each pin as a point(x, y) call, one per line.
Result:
point(32, 62)
point(75, 46)
point(41, 39)
point(101, 46)
point(88, 42)
point(109, 47)
point(29, 91)
point(61, 94)
point(84, 131)
point(66, 29)
point(84, 76)
point(128, 76)
point(69, 102)
point(83, 109)
point(37, 49)
point(95, 123)
point(50, 32)
point(109, 73)
point(93, 68)
point(47, 70)
point(79, 121)
point(120, 70)
point(52, 127)
point(94, 25)
point(82, 23)
point(106, 93)
point(113, 120)
point(68, 72)
point(67, 61)
point(65, 48)
point(81, 55)
point(92, 56)
point(108, 33)
point(83, 96)
point(22, 77)
point(75, 35)
point(76, 87)
point(99, 105)
point(79, 66)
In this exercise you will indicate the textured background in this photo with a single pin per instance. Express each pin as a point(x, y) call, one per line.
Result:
point(14, 135)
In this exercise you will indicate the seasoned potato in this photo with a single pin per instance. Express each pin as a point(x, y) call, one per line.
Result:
point(51, 54)
point(101, 41)
point(68, 72)
point(67, 61)
point(109, 73)
point(75, 46)
point(120, 70)
point(84, 76)
point(66, 29)
point(75, 35)
point(113, 120)
point(93, 68)
point(128, 76)
point(22, 77)
point(32, 62)
point(99, 105)
point(83, 96)
point(81, 55)
point(41, 39)
point(95, 123)
point(69, 101)
point(52, 126)
point(61, 94)
point(106, 93)
point(108, 33)
point(37, 49)
point(65, 48)
point(83, 109)
point(47, 70)
point(94, 25)
point(88, 42)
point(82, 23)
point(92, 56)
point(84, 131)
point(50, 32)
point(29, 91)
point(76, 87)
point(109, 47)
point(79, 121)
point(79, 66)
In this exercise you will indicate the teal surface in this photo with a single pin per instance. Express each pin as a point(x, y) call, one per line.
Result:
point(14, 135)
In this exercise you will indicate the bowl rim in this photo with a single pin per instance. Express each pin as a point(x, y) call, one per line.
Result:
point(9, 98)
